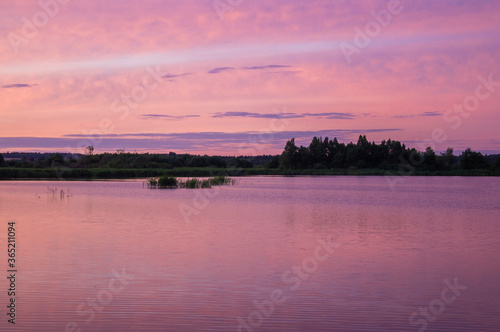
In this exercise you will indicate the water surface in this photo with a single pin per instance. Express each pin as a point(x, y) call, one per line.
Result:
point(205, 260)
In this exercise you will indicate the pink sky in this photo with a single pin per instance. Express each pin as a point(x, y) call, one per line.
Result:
point(246, 80)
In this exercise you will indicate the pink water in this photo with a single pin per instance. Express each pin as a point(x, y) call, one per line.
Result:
point(206, 259)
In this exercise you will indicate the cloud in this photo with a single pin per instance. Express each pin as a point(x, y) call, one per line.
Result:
point(328, 115)
point(168, 117)
point(424, 114)
point(332, 115)
point(266, 67)
point(257, 115)
point(19, 85)
point(219, 70)
point(236, 137)
point(170, 76)
point(195, 142)
point(430, 114)
point(285, 72)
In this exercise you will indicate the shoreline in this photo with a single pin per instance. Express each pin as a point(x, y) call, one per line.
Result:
point(123, 174)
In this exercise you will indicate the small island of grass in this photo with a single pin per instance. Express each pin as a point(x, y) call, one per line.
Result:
point(170, 182)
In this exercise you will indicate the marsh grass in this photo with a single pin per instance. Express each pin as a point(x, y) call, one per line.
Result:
point(152, 183)
point(221, 180)
point(170, 182)
point(167, 182)
point(190, 183)
point(54, 192)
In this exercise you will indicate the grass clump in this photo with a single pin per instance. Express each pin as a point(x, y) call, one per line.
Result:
point(220, 180)
point(196, 183)
point(191, 183)
point(164, 182)
point(167, 182)
point(152, 183)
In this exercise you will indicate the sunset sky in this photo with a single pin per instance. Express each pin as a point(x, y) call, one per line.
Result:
point(240, 77)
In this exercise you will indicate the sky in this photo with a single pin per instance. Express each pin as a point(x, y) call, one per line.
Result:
point(241, 77)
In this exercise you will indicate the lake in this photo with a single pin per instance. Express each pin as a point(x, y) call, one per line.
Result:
point(267, 254)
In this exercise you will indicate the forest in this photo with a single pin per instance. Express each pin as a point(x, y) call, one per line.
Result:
point(388, 155)
point(321, 157)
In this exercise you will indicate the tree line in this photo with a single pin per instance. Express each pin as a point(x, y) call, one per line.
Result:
point(123, 160)
point(388, 155)
point(321, 154)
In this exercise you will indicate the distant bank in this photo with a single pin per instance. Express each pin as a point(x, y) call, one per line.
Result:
point(8, 173)
point(321, 157)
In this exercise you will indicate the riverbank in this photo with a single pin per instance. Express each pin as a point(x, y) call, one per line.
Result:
point(109, 173)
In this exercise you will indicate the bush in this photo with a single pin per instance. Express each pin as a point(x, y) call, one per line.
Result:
point(206, 184)
point(167, 182)
point(194, 183)
point(191, 183)
point(152, 183)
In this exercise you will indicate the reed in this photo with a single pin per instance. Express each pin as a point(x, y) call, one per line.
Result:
point(221, 180)
point(170, 182)
point(167, 182)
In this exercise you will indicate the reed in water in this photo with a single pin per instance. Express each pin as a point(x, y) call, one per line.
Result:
point(170, 182)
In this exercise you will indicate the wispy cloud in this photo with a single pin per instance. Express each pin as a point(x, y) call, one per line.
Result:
point(192, 141)
point(424, 114)
point(220, 70)
point(171, 76)
point(332, 115)
point(431, 114)
point(168, 117)
point(256, 115)
point(328, 115)
point(240, 135)
point(266, 67)
point(285, 72)
point(18, 85)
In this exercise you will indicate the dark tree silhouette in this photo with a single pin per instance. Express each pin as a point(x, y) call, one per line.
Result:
point(448, 158)
point(289, 157)
point(473, 160)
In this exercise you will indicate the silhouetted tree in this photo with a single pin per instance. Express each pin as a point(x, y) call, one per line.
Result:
point(197, 161)
point(304, 158)
point(473, 160)
point(54, 160)
point(430, 159)
point(337, 153)
point(289, 157)
point(448, 158)
point(351, 154)
point(90, 150)
point(238, 163)
point(273, 163)
point(318, 152)
point(496, 164)
point(216, 161)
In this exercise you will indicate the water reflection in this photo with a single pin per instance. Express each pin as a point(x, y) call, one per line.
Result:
point(396, 249)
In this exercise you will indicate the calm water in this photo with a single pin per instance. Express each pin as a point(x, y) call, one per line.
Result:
point(314, 253)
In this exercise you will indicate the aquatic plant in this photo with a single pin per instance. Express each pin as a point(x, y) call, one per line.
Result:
point(152, 183)
point(193, 183)
point(167, 182)
point(206, 183)
point(221, 180)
